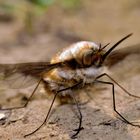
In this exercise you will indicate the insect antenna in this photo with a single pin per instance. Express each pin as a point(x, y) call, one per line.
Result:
point(114, 46)
point(104, 46)
point(100, 45)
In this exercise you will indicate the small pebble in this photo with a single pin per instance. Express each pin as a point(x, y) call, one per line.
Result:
point(2, 116)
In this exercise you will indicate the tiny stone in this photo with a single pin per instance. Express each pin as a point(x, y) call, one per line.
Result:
point(52, 135)
point(2, 116)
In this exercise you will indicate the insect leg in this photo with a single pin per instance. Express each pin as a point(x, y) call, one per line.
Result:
point(80, 114)
point(114, 103)
point(45, 120)
point(105, 74)
point(27, 99)
point(80, 118)
point(45, 117)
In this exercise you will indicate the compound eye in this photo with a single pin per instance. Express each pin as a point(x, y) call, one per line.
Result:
point(87, 58)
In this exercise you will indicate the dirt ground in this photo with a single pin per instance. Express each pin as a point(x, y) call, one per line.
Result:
point(99, 21)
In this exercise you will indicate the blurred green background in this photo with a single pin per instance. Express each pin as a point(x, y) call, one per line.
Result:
point(28, 22)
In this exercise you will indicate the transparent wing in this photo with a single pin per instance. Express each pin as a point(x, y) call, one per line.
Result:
point(23, 74)
point(19, 80)
point(119, 55)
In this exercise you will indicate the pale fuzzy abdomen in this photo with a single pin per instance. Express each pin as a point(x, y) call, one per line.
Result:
point(61, 78)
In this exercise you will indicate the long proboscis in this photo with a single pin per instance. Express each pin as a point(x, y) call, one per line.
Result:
point(114, 46)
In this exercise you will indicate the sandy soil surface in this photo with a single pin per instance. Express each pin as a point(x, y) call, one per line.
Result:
point(101, 21)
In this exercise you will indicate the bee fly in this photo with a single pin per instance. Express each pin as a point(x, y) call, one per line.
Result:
point(75, 67)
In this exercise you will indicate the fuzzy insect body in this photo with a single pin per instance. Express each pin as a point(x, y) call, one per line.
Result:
point(82, 62)
point(82, 55)
point(77, 52)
